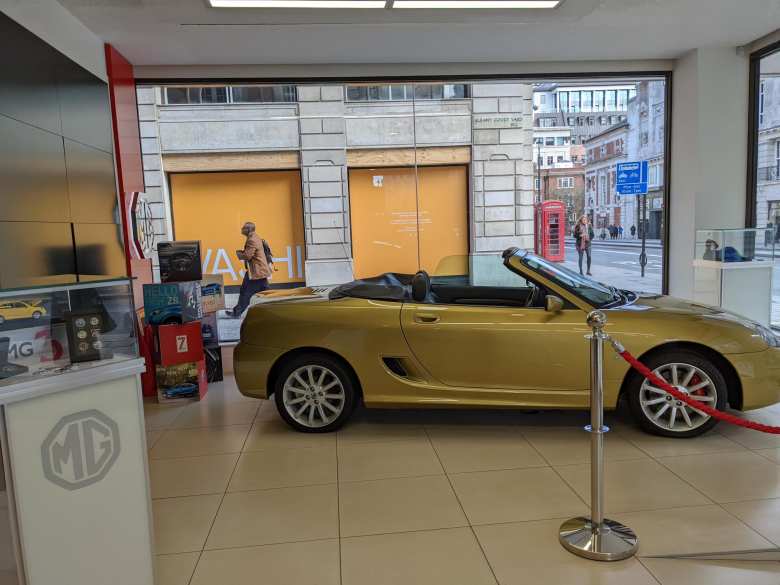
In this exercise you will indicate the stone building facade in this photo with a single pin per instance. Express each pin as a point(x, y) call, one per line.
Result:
point(323, 135)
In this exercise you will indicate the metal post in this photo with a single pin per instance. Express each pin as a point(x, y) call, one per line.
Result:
point(597, 538)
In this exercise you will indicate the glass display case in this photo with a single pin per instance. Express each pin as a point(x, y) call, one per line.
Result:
point(735, 245)
point(51, 330)
point(733, 269)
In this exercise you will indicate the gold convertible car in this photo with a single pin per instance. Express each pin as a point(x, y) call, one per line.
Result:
point(504, 332)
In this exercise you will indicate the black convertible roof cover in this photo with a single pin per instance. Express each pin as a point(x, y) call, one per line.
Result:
point(387, 287)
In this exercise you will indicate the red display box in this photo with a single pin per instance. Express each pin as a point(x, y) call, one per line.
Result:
point(179, 344)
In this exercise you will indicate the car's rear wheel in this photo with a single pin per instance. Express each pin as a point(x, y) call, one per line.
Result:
point(661, 414)
point(315, 393)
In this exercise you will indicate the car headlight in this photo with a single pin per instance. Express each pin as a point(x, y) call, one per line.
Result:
point(766, 334)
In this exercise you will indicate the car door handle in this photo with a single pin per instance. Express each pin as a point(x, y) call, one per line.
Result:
point(426, 318)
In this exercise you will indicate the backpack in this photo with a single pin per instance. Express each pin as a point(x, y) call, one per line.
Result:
point(269, 256)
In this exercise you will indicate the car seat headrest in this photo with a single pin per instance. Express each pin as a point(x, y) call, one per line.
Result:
point(421, 286)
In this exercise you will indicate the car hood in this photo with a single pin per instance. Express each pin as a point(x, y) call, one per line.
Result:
point(674, 305)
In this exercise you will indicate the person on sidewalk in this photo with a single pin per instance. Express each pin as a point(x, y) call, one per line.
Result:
point(620, 232)
point(583, 235)
point(258, 268)
point(633, 231)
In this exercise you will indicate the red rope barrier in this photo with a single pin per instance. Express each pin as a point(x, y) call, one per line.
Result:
point(688, 399)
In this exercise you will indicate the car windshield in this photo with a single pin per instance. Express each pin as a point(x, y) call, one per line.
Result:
point(593, 292)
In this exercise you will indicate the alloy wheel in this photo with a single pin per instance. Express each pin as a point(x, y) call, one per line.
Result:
point(313, 396)
point(668, 413)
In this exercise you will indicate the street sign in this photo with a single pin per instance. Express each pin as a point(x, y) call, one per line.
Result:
point(632, 178)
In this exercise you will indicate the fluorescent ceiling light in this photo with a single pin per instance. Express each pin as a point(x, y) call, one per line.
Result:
point(297, 3)
point(476, 3)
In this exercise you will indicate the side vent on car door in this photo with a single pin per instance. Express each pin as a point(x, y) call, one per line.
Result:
point(395, 366)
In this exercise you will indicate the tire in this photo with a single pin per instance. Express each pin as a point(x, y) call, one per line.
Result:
point(36, 315)
point(706, 383)
point(319, 407)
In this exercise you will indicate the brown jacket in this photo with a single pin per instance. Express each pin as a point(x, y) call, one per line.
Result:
point(256, 262)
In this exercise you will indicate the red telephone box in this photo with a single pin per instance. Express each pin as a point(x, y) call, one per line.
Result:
point(550, 230)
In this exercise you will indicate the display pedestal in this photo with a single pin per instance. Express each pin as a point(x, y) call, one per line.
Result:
point(742, 287)
point(74, 448)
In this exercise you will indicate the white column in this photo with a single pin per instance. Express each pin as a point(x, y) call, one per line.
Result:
point(709, 153)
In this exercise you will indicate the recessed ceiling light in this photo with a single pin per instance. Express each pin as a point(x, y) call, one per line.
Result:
point(476, 4)
point(297, 3)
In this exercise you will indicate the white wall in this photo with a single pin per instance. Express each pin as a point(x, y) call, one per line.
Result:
point(63, 31)
point(709, 152)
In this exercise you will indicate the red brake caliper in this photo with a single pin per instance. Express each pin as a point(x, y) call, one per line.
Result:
point(697, 380)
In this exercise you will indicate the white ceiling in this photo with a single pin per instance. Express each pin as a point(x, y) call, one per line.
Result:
point(189, 32)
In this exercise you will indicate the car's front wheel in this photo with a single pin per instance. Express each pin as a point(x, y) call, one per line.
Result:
point(661, 414)
point(315, 393)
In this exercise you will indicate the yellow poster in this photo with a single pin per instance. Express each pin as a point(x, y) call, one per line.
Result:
point(212, 207)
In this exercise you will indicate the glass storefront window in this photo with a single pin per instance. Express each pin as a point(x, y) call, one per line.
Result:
point(611, 100)
point(563, 100)
point(598, 101)
point(574, 97)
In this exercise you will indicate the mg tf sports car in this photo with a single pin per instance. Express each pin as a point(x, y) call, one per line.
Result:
point(497, 332)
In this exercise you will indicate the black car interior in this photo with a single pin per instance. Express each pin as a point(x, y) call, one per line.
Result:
point(445, 290)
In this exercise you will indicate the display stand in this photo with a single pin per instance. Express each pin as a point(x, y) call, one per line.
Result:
point(76, 471)
point(742, 287)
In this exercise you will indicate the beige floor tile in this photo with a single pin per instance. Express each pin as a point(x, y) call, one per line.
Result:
point(490, 497)
point(299, 563)
point(761, 515)
point(152, 437)
point(696, 572)
point(693, 530)
point(729, 477)
point(191, 476)
point(379, 432)
point(182, 524)
point(174, 569)
point(160, 416)
point(276, 516)
point(750, 438)
point(260, 470)
point(366, 461)
point(668, 447)
point(771, 454)
point(529, 552)
point(641, 484)
point(398, 505)
point(268, 411)
point(483, 448)
point(227, 391)
point(216, 414)
point(203, 441)
point(569, 446)
point(276, 434)
point(450, 557)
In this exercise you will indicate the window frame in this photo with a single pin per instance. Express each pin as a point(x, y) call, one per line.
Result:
point(754, 125)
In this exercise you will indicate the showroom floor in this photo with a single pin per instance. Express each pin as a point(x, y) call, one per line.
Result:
point(457, 498)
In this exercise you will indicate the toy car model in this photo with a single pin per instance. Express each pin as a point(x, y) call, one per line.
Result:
point(21, 310)
point(493, 336)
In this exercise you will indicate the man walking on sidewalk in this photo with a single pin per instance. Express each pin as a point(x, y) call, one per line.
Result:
point(257, 267)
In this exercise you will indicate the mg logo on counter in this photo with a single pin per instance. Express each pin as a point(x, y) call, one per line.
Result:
point(80, 449)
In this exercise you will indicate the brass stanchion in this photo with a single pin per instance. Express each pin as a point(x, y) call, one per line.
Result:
point(597, 538)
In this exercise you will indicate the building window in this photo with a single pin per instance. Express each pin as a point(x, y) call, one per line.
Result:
point(761, 94)
point(547, 122)
point(645, 138)
point(549, 141)
point(574, 101)
point(242, 94)
point(611, 99)
point(560, 158)
point(536, 183)
point(591, 121)
point(543, 99)
point(239, 94)
point(406, 92)
point(563, 101)
point(777, 160)
point(570, 121)
point(538, 140)
point(587, 101)
point(598, 101)
point(622, 99)
point(550, 160)
point(565, 182)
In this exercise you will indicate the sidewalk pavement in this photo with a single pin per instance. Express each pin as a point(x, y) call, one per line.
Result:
point(626, 278)
point(624, 243)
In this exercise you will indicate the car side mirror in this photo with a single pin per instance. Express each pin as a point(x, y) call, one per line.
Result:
point(553, 304)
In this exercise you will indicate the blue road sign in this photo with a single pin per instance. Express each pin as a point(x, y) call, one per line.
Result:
point(632, 178)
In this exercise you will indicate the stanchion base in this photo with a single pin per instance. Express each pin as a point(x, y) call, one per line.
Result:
point(610, 542)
